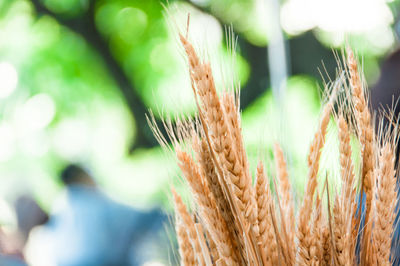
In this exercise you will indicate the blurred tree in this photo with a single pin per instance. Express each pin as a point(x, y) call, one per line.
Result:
point(89, 70)
point(84, 24)
point(83, 21)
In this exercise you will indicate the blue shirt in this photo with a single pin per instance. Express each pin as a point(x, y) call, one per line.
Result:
point(90, 229)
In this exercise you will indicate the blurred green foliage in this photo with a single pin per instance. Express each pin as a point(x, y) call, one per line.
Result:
point(68, 104)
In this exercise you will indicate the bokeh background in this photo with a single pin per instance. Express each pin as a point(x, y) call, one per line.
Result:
point(77, 78)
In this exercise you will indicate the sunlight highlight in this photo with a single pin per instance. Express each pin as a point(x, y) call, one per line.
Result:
point(9, 79)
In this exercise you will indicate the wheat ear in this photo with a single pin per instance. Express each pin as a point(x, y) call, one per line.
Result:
point(303, 256)
point(316, 239)
point(249, 250)
point(185, 248)
point(340, 234)
point(345, 202)
point(222, 143)
point(203, 245)
point(267, 236)
point(233, 117)
point(286, 200)
point(346, 164)
point(364, 124)
point(326, 247)
point(188, 223)
point(212, 246)
point(366, 137)
point(212, 219)
point(207, 165)
point(386, 197)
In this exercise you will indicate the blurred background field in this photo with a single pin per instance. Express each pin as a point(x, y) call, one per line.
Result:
point(78, 76)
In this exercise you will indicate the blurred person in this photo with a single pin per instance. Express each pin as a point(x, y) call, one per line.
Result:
point(87, 228)
point(29, 214)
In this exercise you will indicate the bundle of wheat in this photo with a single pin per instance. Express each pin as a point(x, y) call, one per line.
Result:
point(238, 223)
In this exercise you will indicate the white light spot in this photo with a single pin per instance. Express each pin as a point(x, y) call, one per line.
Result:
point(350, 16)
point(205, 31)
point(7, 141)
point(153, 263)
point(37, 112)
point(35, 144)
point(8, 79)
point(71, 139)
